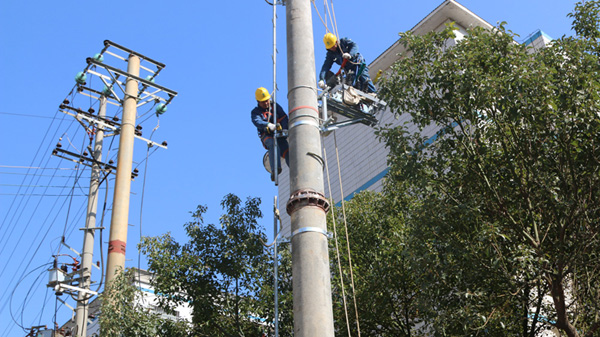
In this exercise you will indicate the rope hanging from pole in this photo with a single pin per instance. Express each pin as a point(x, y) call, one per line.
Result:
point(346, 229)
point(347, 237)
point(337, 250)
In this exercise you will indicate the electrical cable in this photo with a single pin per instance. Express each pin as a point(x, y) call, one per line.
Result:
point(23, 208)
point(32, 256)
point(25, 301)
point(15, 288)
point(7, 237)
point(101, 250)
point(143, 194)
point(70, 202)
point(20, 200)
point(25, 115)
point(25, 178)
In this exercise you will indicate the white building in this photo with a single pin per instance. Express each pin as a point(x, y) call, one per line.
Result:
point(147, 301)
point(363, 159)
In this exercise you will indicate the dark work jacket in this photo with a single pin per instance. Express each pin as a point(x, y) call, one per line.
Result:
point(346, 46)
point(261, 117)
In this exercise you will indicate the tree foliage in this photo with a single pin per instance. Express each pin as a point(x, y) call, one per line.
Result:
point(505, 199)
point(122, 314)
point(385, 285)
point(223, 271)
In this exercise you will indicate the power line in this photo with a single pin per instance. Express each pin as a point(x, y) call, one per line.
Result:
point(26, 115)
point(37, 168)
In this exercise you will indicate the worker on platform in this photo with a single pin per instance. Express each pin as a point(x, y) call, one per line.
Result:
point(262, 117)
point(337, 51)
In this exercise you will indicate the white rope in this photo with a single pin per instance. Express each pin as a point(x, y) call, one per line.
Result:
point(346, 228)
point(337, 250)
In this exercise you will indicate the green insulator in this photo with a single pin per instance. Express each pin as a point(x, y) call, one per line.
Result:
point(149, 78)
point(106, 91)
point(99, 57)
point(80, 77)
point(161, 109)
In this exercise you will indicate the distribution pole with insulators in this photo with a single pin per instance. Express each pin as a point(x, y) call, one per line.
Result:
point(307, 206)
point(120, 213)
point(81, 312)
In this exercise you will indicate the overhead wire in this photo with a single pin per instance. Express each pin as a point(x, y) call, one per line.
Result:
point(30, 260)
point(25, 115)
point(143, 194)
point(26, 200)
point(14, 289)
point(26, 300)
point(21, 200)
point(46, 221)
point(31, 166)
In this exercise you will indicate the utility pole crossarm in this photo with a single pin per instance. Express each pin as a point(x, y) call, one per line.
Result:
point(91, 61)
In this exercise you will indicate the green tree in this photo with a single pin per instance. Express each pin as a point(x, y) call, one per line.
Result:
point(222, 271)
point(123, 315)
point(386, 288)
point(506, 199)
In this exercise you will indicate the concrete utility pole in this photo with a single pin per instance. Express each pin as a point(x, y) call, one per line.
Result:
point(307, 206)
point(120, 212)
point(81, 312)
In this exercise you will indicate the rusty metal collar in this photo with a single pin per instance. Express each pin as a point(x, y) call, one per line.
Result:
point(306, 197)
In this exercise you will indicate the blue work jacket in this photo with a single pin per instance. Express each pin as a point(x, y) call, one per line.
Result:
point(346, 46)
point(261, 117)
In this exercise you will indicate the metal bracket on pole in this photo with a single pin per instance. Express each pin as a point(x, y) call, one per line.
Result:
point(329, 235)
point(61, 286)
point(70, 248)
point(65, 303)
point(106, 123)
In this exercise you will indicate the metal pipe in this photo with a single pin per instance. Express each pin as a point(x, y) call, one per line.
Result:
point(276, 133)
point(276, 264)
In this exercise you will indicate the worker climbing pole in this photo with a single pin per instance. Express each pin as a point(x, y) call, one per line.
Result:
point(269, 117)
point(271, 120)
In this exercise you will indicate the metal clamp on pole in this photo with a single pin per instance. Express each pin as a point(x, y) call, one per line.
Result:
point(305, 122)
point(312, 229)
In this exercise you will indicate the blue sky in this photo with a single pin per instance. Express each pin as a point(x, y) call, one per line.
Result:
point(216, 54)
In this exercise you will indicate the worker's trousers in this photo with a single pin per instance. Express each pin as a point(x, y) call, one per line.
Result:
point(282, 149)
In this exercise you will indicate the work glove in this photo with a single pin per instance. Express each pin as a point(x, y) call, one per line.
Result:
point(278, 126)
point(270, 127)
point(322, 84)
point(347, 56)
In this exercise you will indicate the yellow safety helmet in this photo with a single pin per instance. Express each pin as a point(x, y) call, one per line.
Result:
point(262, 94)
point(329, 40)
